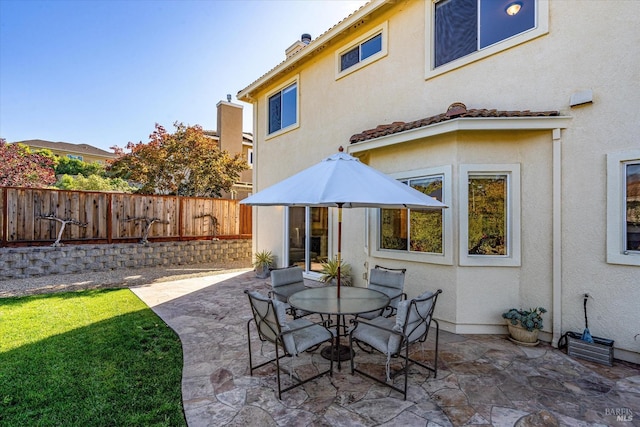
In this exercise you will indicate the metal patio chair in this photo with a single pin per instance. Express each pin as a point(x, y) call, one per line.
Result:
point(286, 282)
point(389, 281)
point(290, 338)
point(393, 336)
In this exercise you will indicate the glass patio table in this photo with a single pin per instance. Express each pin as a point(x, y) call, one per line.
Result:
point(324, 300)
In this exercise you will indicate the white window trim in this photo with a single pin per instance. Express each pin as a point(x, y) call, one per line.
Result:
point(541, 28)
point(445, 258)
point(250, 158)
point(514, 255)
point(380, 29)
point(295, 79)
point(616, 254)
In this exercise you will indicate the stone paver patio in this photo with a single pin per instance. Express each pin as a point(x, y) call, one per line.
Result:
point(483, 380)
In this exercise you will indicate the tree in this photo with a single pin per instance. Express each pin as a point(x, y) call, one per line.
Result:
point(187, 163)
point(67, 166)
point(94, 183)
point(21, 168)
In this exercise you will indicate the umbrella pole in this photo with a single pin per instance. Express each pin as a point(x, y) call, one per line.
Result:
point(339, 244)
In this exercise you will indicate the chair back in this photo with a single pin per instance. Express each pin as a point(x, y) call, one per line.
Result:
point(286, 282)
point(414, 318)
point(388, 281)
point(265, 316)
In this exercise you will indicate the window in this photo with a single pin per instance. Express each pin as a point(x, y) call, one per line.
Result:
point(631, 202)
point(487, 207)
point(490, 212)
point(466, 26)
point(623, 208)
point(362, 51)
point(463, 31)
point(74, 157)
point(250, 157)
point(418, 235)
point(283, 108)
point(414, 230)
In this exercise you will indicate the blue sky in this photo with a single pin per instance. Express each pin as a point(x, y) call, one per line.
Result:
point(104, 72)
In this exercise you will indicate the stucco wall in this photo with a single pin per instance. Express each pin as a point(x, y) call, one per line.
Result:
point(588, 46)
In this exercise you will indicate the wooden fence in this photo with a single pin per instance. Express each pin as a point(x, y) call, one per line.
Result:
point(27, 217)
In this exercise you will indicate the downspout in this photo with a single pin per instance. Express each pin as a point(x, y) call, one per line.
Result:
point(557, 236)
point(254, 176)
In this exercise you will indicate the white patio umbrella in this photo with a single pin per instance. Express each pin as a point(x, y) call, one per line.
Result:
point(342, 181)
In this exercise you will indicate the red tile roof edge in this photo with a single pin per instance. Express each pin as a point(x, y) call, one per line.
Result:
point(456, 110)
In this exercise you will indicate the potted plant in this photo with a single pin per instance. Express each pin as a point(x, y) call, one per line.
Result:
point(263, 262)
point(329, 272)
point(524, 325)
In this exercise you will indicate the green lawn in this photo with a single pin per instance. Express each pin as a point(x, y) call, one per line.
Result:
point(91, 358)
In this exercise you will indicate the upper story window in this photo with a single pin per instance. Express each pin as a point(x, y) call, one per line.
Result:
point(490, 215)
point(463, 31)
point(362, 51)
point(466, 26)
point(250, 158)
point(74, 156)
point(623, 208)
point(283, 108)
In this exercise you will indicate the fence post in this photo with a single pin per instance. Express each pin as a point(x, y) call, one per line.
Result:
point(109, 218)
point(5, 218)
point(180, 218)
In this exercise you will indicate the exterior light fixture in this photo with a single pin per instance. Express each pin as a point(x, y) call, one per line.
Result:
point(513, 8)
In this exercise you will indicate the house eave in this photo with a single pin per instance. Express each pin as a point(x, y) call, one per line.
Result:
point(463, 124)
point(313, 48)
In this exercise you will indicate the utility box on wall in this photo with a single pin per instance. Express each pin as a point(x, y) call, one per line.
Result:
point(600, 351)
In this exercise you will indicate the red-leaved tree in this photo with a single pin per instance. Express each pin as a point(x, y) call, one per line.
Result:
point(186, 163)
point(21, 168)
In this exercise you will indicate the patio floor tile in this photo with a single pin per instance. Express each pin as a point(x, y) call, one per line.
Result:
point(482, 379)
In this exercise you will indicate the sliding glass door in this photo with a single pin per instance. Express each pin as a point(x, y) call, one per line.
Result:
point(308, 233)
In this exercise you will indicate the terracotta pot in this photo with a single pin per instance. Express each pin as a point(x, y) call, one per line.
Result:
point(518, 333)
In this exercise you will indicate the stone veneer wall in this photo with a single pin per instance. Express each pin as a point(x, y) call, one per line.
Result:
point(18, 263)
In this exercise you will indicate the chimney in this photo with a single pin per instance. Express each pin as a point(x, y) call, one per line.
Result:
point(229, 126)
point(305, 39)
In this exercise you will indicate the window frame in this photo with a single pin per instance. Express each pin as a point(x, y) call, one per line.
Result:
point(616, 208)
point(541, 28)
point(280, 89)
point(382, 29)
point(446, 257)
point(513, 258)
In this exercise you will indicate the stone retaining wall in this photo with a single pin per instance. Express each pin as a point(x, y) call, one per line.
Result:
point(19, 263)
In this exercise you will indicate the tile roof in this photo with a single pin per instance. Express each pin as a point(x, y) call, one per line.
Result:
point(456, 110)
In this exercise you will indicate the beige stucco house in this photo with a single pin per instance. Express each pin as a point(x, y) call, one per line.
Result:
point(84, 152)
point(529, 134)
point(231, 138)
